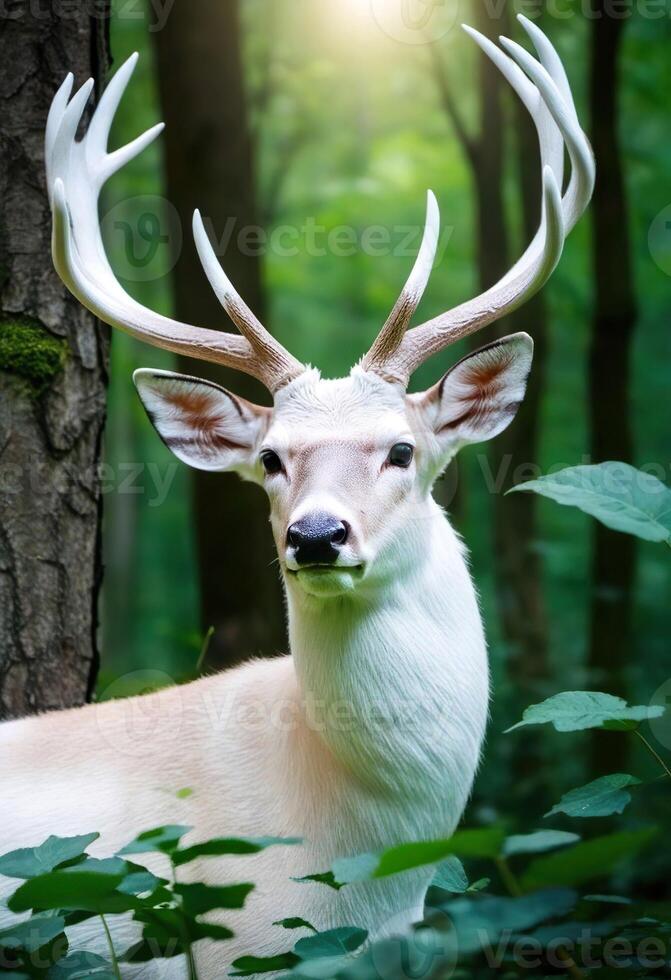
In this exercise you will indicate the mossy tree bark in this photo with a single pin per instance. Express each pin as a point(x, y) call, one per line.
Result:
point(209, 162)
point(53, 358)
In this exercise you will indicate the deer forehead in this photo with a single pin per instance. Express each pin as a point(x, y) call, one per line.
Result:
point(361, 410)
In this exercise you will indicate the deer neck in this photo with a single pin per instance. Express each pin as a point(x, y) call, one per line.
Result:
point(395, 679)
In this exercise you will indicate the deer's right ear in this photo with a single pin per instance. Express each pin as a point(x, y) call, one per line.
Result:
point(203, 424)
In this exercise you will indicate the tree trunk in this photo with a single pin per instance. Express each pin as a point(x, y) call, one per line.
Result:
point(613, 564)
point(516, 560)
point(519, 571)
point(209, 165)
point(53, 357)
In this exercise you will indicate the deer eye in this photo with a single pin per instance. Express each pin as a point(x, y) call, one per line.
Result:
point(401, 455)
point(271, 462)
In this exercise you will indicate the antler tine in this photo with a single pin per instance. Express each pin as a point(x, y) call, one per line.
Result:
point(544, 92)
point(76, 172)
point(264, 344)
point(391, 335)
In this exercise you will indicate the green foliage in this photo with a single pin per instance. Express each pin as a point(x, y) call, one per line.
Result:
point(28, 862)
point(575, 711)
point(30, 353)
point(618, 495)
point(588, 860)
point(601, 798)
point(539, 841)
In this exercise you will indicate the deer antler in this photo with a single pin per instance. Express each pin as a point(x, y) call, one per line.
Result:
point(76, 172)
point(546, 94)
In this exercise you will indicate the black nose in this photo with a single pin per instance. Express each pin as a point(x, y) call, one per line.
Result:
point(316, 538)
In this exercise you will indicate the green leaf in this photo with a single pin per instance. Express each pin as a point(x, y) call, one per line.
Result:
point(80, 965)
point(618, 495)
point(247, 966)
point(322, 878)
point(198, 899)
point(230, 845)
point(163, 839)
point(294, 923)
point(574, 711)
point(334, 942)
point(600, 798)
point(590, 859)
point(450, 876)
point(361, 867)
point(477, 843)
point(485, 842)
point(541, 840)
point(479, 921)
point(28, 862)
point(32, 934)
point(184, 793)
point(88, 891)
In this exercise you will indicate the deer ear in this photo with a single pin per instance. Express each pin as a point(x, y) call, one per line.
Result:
point(203, 424)
point(479, 397)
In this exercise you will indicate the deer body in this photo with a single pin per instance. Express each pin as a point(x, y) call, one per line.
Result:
point(366, 736)
point(369, 733)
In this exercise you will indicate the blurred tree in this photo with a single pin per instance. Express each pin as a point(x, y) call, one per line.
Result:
point(53, 357)
point(209, 164)
point(613, 322)
point(517, 563)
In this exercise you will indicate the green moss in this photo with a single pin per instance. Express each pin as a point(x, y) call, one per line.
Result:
point(28, 352)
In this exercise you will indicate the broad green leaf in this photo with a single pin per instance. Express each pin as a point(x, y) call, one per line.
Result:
point(88, 891)
point(574, 711)
point(198, 899)
point(334, 942)
point(618, 495)
point(485, 843)
point(294, 923)
point(536, 843)
point(166, 933)
point(139, 881)
point(163, 839)
point(28, 862)
point(33, 933)
point(450, 876)
point(600, 798)
point(247, 966)
point(322, 878)
point(361, 867)
point(80, 965)
point(230, 845)
point(479, 921)
point(589, 859)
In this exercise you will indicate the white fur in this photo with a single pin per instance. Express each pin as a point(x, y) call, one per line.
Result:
point(367, 735)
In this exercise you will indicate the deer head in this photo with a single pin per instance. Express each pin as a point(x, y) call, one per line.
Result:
point(347, 464)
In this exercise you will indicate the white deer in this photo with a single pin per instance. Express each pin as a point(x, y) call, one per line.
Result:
point(369, 733)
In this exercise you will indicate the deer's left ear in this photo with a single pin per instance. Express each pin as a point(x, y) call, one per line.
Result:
point(479, 397)
point(203, 424)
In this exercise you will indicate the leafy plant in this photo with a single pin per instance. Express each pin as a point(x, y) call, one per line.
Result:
point(617, 494)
